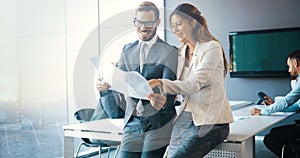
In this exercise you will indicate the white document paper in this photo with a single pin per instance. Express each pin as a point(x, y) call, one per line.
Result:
point(130, 83)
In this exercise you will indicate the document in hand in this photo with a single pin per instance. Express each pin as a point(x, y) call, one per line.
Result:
point(130, 83)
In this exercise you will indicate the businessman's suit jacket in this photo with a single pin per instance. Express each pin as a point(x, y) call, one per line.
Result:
point(161, 62)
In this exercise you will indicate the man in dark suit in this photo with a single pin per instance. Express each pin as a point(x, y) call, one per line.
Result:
point(147, 128)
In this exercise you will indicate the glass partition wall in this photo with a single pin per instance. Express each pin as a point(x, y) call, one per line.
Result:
point(45, 72)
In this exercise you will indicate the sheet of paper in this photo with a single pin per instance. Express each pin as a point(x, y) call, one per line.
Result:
point(130, 83)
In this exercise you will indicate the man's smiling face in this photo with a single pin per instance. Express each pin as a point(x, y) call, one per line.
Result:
point(144, 18)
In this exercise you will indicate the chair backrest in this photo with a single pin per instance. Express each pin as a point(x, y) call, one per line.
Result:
point(84, 115)
point(291, 150)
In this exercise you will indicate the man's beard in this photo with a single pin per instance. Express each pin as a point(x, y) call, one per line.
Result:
point(293, 76)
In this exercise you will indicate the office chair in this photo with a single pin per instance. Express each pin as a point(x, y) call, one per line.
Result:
point(291, 150)
point(84, 115)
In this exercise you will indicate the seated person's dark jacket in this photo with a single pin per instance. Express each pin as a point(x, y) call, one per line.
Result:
point(109, 106)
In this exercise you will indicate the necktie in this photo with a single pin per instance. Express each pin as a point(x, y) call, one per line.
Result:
point(142, 55)
point(139, 107)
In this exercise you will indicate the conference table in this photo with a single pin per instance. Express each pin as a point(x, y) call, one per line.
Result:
point(240, 142)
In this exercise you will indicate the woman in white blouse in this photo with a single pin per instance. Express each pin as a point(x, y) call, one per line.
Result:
point(202, 67)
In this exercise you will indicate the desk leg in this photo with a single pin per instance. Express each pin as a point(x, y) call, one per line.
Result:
point(253, 147)
point(68, 147)
point(250, 148)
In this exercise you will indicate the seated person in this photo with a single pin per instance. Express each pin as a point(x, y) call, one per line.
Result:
point(108, 106)
point(276, 107)
point(280, 136)
point(288, 134)
point(289, 102)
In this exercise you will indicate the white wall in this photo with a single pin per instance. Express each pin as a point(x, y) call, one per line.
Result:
point(224, 16)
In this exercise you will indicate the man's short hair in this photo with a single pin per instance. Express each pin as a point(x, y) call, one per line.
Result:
point(148, 6)
point(295, 55)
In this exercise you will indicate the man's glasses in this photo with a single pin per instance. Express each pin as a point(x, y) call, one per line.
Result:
point(139, 23)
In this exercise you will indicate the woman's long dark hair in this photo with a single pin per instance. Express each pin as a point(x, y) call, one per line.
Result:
point(200, 32)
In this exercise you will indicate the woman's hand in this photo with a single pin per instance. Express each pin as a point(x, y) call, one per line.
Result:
point(155, 83)
point(157, 101)
point(101, 85)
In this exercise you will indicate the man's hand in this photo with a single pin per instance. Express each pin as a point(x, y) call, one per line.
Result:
point(157, 101)
point(268, 100)
point(101, 85)
point(255, 111)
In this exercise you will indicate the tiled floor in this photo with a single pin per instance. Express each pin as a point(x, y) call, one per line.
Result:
point(31, 141)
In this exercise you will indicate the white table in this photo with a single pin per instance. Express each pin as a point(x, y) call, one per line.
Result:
point(105, 129)
point(237, 104)
point(240, 142)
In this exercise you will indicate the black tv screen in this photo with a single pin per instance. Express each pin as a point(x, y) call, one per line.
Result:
point(262, 53)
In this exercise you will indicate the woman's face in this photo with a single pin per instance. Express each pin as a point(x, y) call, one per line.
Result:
point(183, 28)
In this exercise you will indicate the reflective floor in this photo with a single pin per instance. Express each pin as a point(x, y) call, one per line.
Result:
point(28, 140)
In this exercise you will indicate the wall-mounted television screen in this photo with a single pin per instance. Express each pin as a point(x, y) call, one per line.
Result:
point(262, 53)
